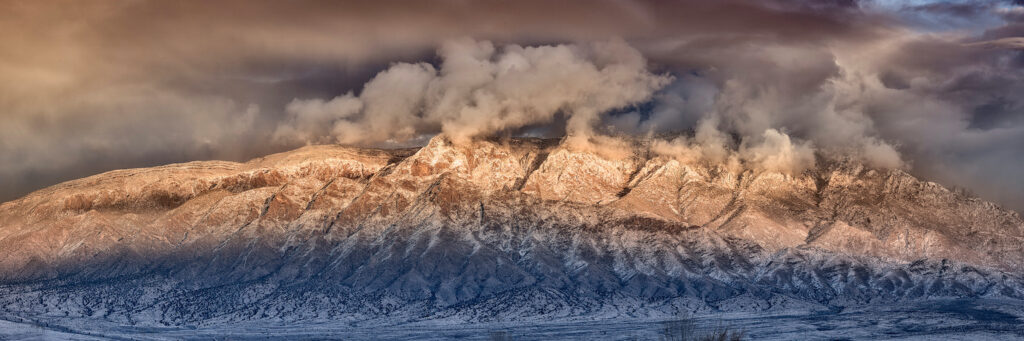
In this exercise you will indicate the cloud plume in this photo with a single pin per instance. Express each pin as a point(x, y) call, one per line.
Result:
point(481, 90)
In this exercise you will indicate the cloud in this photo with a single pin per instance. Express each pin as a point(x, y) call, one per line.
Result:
point(480, 90)
point(776, 152)
point(708, 145)
point(931, 87)
point(818, 94)
point(311, 119)
point(772, 151)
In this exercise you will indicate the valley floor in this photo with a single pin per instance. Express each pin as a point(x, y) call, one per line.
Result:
point(979, 319)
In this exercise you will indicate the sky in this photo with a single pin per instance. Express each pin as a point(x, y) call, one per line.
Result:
point(931, 87)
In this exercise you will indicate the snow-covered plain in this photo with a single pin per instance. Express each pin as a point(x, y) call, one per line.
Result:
point(960, 319)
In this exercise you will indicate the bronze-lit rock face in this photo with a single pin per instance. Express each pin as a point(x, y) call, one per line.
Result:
point(449, 225)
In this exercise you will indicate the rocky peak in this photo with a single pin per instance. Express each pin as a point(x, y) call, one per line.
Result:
point(581, 177)
point(490, 165)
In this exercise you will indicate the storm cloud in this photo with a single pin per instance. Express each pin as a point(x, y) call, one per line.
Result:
point(931, 87)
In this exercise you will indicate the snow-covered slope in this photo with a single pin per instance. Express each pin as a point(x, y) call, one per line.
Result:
point(510, 229)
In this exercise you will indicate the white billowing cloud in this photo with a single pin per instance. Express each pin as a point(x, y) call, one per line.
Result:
point(880, 154)
point(776, 152)
point(707, 145)
point(820, 95)
point(392, 100)
point(763, 109)
point(481, 90)
point(310, 125)
point(772, 151)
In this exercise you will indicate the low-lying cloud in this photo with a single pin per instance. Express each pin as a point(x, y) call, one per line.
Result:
point(481, 90)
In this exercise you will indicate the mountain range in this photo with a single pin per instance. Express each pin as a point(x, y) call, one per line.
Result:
point(493, 230)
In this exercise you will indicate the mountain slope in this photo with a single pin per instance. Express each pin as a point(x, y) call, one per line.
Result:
point(493, 230)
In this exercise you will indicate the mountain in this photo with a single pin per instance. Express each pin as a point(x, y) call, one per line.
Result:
point(512, 229)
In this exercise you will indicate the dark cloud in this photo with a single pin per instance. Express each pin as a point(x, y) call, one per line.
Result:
point(93, 86)
point(968, 10)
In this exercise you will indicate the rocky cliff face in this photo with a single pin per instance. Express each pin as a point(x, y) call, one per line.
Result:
point(497, 229)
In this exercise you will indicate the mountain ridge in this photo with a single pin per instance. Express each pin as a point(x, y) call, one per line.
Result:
point(455, 230)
